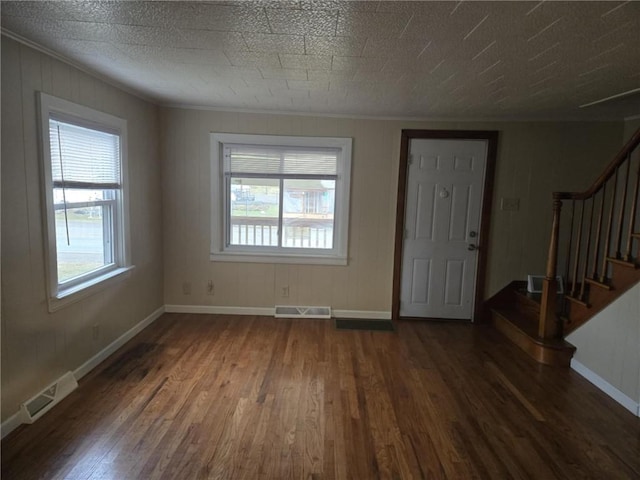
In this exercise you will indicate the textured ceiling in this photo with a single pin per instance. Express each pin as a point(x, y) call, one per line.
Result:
point(382, 58)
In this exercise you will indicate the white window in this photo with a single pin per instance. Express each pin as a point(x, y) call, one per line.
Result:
point(280, 199)
point(84, 171)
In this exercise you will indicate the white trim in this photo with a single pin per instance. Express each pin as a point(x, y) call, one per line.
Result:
point(270, 311)
point(14, 421)
point(363, 314)
point(10, 424)
point(219, 251)
point(395, 118)
point(86, 117)
point(103, 354)
point(277, 258)
point(220, 310)
point(83, 68)
point(88, 288)
point(606, 387)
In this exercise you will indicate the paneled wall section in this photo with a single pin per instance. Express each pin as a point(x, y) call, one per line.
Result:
point(38, 347)
point(533, 160)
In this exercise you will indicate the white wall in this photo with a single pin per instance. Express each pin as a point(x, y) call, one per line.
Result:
point(534, 159)
point(609, 344)
point(38, 347)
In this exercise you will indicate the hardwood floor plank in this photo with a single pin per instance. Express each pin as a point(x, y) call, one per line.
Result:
point(214, 396)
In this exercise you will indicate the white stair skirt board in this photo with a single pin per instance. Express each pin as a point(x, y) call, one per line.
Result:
point(606, 387)
point(291, 311)
point(37, 406)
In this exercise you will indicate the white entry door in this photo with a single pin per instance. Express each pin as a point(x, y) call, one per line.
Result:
point(442, 227)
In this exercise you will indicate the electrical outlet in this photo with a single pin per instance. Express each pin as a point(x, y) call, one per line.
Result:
point(285, 291)
point(510, 204)
point(186, 288)
point(210, 289)
point(95, 332)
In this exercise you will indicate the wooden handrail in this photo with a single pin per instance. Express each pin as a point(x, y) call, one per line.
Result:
point(549, 322)
point(608, 172)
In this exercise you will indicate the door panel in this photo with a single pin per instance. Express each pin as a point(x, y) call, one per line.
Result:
point(425, 215)
point(421, 280)
point(454, 282)
point(443, 205)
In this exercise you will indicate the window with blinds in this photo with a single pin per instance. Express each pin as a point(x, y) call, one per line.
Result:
point(280, 198)
point(84, 189)
point(273, 160)
point(82, 157)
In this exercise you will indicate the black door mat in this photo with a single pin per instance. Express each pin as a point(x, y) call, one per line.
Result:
point(351, 324)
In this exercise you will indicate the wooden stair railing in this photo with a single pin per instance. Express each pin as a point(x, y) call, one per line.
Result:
point(598, 238)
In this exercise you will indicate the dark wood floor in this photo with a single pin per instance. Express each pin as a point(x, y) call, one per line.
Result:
point(205, 396)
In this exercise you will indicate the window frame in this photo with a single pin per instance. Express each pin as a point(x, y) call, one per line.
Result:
point(116, 227)
point(222, 251)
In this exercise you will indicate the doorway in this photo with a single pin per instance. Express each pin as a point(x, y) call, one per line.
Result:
point(443, 211)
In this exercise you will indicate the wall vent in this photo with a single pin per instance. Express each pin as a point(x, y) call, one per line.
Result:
point(34, 408)
point(286, 311)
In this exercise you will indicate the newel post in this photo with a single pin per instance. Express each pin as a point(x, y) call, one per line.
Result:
point(548, 324)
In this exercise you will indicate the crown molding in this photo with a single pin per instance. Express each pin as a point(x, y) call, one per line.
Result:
point(83, 68)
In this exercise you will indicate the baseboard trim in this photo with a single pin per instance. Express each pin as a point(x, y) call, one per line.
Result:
point(13, 422)
point(103, 354)
point(217, 310)
point(10, 424)
point(362, 314)
point(269, 311)
point(606, 387)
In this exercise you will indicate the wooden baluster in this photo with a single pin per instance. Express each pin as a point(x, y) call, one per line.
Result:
point(607, 238)
point(568, 265)
point(596, 250)
point(622, 207)
point(632, 217)
point(548, 324)
point(588, 249)
point(576, 262)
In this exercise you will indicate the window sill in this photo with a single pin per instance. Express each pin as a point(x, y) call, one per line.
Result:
point(90, 287)
point(278, 258)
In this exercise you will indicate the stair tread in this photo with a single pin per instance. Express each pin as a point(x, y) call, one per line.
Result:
point(599, 284)
point(624, 263)
point(578, 301)
point(528, 324)
point(534, 297)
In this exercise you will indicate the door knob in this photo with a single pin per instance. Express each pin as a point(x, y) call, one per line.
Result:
point(471, 247)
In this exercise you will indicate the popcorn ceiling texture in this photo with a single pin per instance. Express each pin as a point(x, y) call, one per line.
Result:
point(409, 59)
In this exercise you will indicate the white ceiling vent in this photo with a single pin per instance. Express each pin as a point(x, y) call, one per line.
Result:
point(285, 311)
point(34, 408)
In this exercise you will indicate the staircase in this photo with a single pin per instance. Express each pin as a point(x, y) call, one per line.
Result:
point(594, 247)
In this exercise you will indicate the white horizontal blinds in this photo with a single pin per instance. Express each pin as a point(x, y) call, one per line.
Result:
point(84, 158)
point(275, 160)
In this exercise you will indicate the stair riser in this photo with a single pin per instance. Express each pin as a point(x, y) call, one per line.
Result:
point(541, 354)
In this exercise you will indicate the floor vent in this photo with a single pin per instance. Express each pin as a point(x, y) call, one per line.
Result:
point(285, 311)
point(37, 406)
